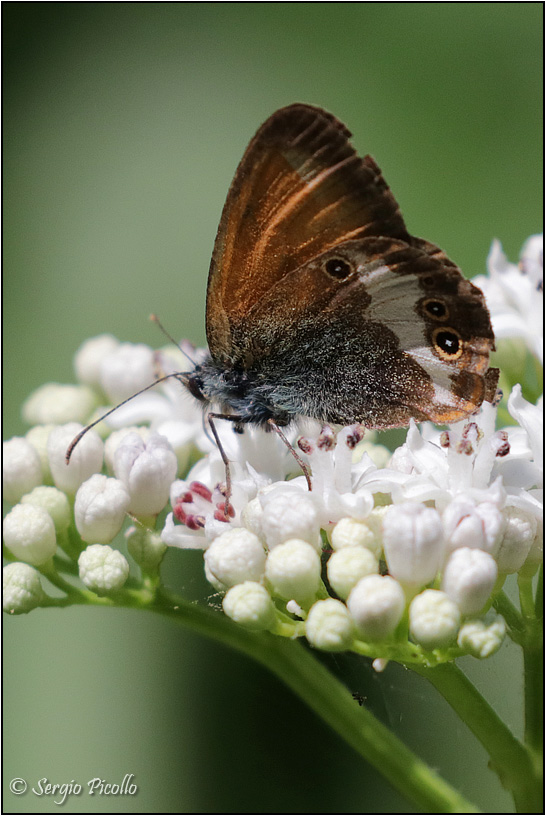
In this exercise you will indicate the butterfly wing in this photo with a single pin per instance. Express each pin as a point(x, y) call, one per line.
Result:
point(319, 292)
point(299, 190)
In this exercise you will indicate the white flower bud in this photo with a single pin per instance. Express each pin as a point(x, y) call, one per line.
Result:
point(21, 588)
point(329, 626)
point(38, 436)
point(252, 516)
point(115, 439)
point(250, 605)
point(21, 469)
point(376, 605)
point(347, 566)
point(536, 552)
point(126, 370)
point(57, 404)
point(90, 355)
point(434, 619)
point(86, 457)
point(482, 639)
point(352, 533)
point(476, 526)
point(29, 533)
point(413, 542)
point(289, 514)
point(369, 533)
point(469, 578)
point(147, 470)
point(55, 502)
point(145, 547)
point(213, 580)
point(516, 542)
point(100, 508)
point(293, 570)
point(234, 557)
point(103, 569)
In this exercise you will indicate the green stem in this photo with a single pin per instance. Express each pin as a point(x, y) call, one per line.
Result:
point(506, 608)
point(509, 758)
point(533, 664)
point(539, 597)
point(329, 698)
point(526, 601)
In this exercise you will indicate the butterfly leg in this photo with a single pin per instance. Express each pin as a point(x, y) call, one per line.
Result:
point(293, 451)
point(227, 507)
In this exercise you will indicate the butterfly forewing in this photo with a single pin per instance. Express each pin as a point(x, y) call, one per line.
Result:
point(299, 190)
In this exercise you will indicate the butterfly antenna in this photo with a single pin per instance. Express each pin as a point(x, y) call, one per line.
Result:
point(155, 319)
point(180, 376)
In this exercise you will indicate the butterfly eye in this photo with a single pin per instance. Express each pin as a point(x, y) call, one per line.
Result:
point(338, 268)
point(447, 343)
point(436, 309)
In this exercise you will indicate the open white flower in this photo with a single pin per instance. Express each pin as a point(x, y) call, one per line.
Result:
point(342, 488)
point(515, 293)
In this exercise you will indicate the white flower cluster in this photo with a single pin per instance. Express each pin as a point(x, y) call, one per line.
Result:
point(384, 550)
point(130, 474)
point(418, 546)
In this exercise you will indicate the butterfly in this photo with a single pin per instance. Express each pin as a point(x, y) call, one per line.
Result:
point(321, 304)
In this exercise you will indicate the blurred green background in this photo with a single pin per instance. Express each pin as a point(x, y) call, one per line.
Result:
point(123, 125)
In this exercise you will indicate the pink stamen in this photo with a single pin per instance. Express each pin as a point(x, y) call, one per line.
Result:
point(201, 490)
point(185, 498)
point(304, 445)
point(180, 514)
point(326, 439)
point(195, 522)
point(444, 439)
point(221, 506)
point(355, 436)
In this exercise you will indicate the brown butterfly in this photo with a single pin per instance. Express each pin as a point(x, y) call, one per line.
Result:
point(321, 304)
